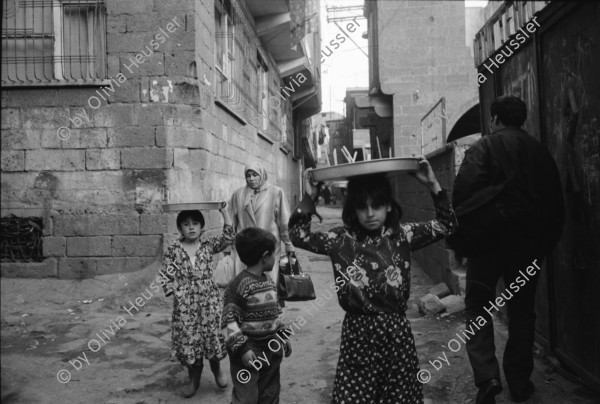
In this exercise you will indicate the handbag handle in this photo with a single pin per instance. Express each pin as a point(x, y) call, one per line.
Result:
point(293, 264)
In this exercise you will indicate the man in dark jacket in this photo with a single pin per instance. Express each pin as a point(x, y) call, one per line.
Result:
point(517, 253)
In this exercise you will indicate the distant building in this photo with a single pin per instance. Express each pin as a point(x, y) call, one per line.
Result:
point(421, 81)
point(318, 141)
point(327, 133)
point(324, 117)
point(112, 108)
point(337, 138)
point(357, 135)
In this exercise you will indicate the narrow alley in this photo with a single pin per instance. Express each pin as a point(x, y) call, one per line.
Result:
point(133, 131)
point(46, 330)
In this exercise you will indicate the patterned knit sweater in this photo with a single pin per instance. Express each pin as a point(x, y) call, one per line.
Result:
point(251, 312)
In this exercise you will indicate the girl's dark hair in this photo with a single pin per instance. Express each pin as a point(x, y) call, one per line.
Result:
point(195, 215)
point(379, 189)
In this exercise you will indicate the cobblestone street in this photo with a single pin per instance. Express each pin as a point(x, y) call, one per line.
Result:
point(49, 325)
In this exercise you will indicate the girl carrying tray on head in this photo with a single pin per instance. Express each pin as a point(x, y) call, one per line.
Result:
point(197, 303)
point(378, 360)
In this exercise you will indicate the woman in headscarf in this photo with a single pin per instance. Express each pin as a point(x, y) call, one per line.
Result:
point(262, 205)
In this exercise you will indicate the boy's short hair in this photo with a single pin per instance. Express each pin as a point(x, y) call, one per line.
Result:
point(252, 243)
point(510, 110)
point(195, 215)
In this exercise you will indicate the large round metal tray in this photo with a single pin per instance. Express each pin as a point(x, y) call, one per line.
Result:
point(380, 166)
point(177, 207)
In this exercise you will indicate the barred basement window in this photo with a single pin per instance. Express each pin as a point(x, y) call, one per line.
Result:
point(21, 239)
point(53, 42)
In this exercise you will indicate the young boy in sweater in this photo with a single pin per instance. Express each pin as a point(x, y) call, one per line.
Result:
point(252, 322)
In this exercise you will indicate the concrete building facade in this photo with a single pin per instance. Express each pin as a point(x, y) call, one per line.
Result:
point(112, 108)
point(334, 123)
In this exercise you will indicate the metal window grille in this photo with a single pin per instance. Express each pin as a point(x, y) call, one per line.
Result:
point(224, 51)
point(241, 82)
point(53, 42)
point(263, 93)
point(21, 239)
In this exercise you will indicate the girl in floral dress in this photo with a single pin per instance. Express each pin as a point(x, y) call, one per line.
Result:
point(197, 303)
point(371, 258)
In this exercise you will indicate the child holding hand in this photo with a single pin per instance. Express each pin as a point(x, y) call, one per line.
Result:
point(371, 258)
point(197, 302)
point(252, 322)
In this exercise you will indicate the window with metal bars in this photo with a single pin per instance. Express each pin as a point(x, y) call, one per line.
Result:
point(53, 42)
point(224, 52)
point(21, 239)
point(242, 83)
point(263, 93)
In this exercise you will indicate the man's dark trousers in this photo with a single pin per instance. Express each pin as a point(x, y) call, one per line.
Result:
point(483, 273)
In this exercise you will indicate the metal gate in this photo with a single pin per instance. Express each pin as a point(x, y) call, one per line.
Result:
point(557, 74)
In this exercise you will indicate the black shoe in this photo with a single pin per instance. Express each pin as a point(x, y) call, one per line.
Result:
point(194, 373)
point(488, 391)
point(523, 395)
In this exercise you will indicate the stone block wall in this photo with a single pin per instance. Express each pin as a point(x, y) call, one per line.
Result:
point(417, 206)
point(423, 57)
point(97, 163)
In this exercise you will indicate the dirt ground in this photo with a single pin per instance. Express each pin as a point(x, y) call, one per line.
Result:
point(79, 330)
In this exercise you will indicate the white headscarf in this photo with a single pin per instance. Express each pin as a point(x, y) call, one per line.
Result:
point(258, 168)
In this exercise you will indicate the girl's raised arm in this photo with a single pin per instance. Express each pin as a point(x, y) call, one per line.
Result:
point(225, 213)
point(422, 234)
point(225, 239)
point(233, 212)
point(301, 235)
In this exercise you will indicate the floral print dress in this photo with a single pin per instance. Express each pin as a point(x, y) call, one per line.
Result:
point(378, 360)
point(197, 304)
